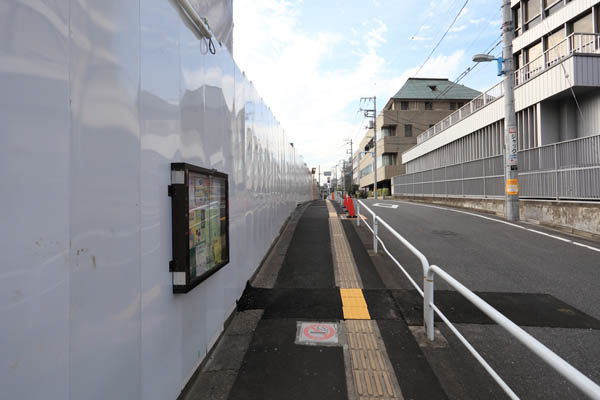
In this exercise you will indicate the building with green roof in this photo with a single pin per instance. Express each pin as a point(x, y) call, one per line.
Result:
point(419, 104)
point(434, 89)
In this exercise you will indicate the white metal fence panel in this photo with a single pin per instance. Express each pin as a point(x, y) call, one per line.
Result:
point(565, 170)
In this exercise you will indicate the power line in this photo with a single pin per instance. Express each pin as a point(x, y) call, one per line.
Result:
point(467, 71)
point(484, 26)
point(401, 120)
point(428, 21)
point(443, 36)
point(359, 128)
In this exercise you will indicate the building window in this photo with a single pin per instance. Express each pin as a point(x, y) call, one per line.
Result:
point(532, 10)
point(404, 105)
point(386, 159)
point(460, 104)
point(408, 130)
point(453, 105)
point(366, 171)
point(388, 131)
point(584, 24)
point(428, 105)
point(534, 57)
point(517, 19)
point(552, 6)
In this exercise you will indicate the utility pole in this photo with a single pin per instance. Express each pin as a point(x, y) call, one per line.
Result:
point(511, 171)
point(373, 113)
point(320, 194)
point(344, 176)
point(351, 164)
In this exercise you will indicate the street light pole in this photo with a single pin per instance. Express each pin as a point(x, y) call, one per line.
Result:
point(511, 145)
point(375, 147)
point(511, 163)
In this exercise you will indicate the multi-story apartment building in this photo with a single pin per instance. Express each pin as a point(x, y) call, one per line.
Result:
point(557, 100)
point(419, 104)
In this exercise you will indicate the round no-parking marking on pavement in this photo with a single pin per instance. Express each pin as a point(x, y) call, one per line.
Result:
point(316, 333)
point(319, 331)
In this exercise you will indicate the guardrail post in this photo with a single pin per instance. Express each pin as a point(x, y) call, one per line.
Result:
point(483, 162)
point(357, 213)
point(375, 233)
point(427, 304)
point(462, 179)
point(556, 173)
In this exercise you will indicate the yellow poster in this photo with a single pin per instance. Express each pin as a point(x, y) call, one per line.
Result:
point(512, 186)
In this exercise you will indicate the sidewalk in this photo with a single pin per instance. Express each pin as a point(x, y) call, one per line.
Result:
point(317, 322)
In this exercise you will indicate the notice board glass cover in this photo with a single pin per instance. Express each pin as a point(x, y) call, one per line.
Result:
point(200, 218)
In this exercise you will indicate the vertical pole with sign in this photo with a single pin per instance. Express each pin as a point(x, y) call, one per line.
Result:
point(511, 210)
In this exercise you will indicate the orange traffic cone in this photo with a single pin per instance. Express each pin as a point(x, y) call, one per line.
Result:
point(332, 196)
point(345, 201)
point(351, 213)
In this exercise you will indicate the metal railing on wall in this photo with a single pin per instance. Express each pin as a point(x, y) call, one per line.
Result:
point(568, 170)
point(583, 43)
point(488, 97)
point(576, 43)
point(582, 382)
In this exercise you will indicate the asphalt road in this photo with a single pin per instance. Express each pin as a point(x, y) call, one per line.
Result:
point(488, 255)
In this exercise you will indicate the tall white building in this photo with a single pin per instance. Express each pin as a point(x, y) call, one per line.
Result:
point(557, 100)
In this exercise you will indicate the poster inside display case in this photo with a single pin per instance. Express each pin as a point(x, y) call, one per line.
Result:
point(200, 217)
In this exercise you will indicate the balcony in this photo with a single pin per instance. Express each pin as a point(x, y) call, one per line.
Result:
point(574, 44)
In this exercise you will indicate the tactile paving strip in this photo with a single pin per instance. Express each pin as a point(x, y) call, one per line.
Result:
point(370, 369)
point(346, 274)
point(373, 375)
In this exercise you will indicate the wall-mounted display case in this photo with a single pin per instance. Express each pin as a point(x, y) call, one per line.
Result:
point(200, 219)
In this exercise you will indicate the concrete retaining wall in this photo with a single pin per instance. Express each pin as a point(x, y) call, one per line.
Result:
point(581, 218)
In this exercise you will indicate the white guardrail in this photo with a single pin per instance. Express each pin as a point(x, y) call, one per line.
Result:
point(582, 382)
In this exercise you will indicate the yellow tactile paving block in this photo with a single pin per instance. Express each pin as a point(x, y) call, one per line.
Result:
point(356, 313)
point(354, 304)
point(351, 292)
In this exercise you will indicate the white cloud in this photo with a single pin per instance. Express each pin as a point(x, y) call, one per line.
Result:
point(375, 37)
point(442, 66)
point(459, 28)
point(307, 93)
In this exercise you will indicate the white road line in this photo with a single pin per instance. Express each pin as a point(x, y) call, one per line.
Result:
point(502, 222)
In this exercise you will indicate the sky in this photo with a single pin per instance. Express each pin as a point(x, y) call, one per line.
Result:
point(312, 60)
